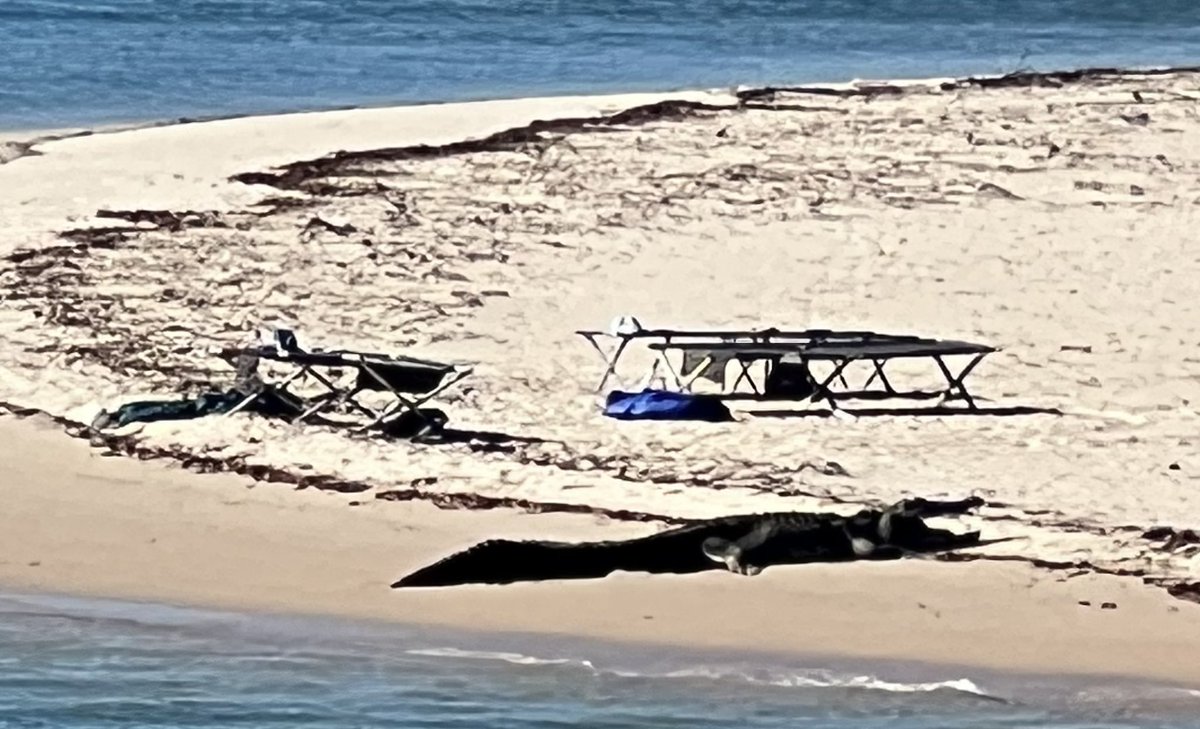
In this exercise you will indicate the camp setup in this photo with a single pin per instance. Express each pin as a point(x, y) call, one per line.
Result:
point(774, 364)
point(342, 378)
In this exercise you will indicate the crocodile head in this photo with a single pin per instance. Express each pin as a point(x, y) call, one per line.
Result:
point(902, 529)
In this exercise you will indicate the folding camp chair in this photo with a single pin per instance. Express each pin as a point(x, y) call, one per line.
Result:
point(410, 382)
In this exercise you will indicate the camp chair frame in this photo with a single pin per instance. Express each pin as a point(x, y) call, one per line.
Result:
point(404, 401)
point(369, 367)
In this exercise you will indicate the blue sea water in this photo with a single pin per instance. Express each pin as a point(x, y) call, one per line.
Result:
point(85, 62)
point(74, 664)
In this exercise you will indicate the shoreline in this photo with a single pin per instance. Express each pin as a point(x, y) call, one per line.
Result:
point(39, 135)
point(248, 547)
point(43, 135)
point(619, 655)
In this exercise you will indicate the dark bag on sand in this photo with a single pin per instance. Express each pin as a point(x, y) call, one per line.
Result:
point(425, 423)
point(789, 379)
point(149, 411)
point(267, 403)
point(663, 405)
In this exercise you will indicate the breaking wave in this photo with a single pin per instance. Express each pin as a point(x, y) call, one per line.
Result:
point(812, 679)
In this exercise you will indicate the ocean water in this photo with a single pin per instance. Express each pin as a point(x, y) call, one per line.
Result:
point(74, 664)
point(87, 62)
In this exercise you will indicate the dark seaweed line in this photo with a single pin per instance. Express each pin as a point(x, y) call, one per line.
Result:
point(293, 176)
point(540, 132)
point(1017, 79)
point(129, 446)
point(1177, 588)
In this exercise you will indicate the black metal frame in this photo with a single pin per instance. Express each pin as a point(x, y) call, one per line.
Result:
point(842, 349)
point(306, 364)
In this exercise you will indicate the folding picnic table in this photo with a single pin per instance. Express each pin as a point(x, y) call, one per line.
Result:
point(840, 354)
point(411, 382)
point(697, 339)
point(794, 348)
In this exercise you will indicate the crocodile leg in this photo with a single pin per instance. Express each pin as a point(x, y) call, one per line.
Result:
point(732, 552)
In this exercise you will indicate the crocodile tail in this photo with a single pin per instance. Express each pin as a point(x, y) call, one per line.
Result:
point(501, 561)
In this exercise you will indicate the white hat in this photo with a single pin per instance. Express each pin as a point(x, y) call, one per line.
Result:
point(624, 324)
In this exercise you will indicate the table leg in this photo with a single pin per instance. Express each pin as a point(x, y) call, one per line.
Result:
point(887, 385)
point(956, 387)
point(823, 391)
point(610, 361)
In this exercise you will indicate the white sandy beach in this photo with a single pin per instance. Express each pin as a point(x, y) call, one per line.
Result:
point(1055, 222)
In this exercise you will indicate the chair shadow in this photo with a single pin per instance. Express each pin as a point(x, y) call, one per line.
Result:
point(481, 440)
point(478, 441)
point(928, 412)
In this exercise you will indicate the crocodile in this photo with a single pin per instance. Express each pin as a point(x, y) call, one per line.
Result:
point(744, 545)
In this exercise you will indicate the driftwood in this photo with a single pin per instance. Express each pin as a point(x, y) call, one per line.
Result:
point(1173, 539)
point(166, 219)
point(13, 151)
point(1056, 79)
point(317, 223)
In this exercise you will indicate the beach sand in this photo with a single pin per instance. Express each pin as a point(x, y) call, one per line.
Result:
point(1053, 220)
point(77, 522)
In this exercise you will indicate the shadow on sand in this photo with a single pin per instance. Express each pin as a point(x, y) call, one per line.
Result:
point(926, 412)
